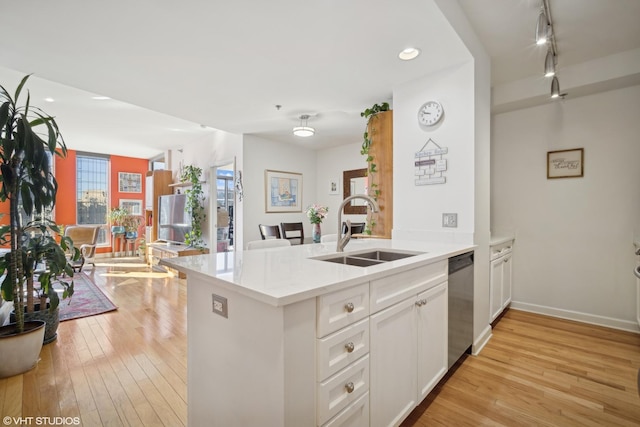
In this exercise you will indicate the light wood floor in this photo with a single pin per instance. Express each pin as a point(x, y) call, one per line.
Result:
point(129, 367)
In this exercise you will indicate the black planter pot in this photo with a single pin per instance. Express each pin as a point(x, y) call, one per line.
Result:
point(51, 318)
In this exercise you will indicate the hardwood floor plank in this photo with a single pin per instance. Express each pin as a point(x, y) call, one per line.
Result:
point(129, 367)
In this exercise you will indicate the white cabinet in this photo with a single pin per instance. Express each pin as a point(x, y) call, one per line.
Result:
point(500, 282)
point(410, 337)
point(394, 343)
point(432, 338)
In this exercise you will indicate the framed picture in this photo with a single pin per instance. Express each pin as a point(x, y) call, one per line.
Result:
point(129, 182)
point(565, 163)
point(134, 207)
point(334, 185)
point(283, 191)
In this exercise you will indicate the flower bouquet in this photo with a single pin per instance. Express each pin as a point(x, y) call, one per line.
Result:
point(316, 214)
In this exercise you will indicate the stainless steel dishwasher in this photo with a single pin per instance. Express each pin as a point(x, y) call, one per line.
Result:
point(460, 306)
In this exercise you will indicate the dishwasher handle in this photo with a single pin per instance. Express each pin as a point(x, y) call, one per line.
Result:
point(459, 262)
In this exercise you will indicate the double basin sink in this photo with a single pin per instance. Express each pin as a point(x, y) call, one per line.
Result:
point(368, 258)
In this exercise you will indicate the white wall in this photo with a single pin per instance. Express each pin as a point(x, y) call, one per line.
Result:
point(331, 162)
point(260, 154)
point(573, 251)
point(418, 210)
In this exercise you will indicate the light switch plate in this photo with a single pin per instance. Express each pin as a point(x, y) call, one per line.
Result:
point(450, 220)
point(220, 305)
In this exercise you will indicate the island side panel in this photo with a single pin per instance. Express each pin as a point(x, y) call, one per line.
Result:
point(236, 365)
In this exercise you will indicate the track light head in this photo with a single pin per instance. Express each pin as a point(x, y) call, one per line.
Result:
point(555, 87)
point(542, 29)
point(550, 64)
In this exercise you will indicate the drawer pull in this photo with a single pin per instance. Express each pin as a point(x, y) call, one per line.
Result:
point(419, 303)
point(349, 307)
point(349, 387)
point(349, 347)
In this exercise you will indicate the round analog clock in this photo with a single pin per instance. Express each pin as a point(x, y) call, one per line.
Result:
point(430, 113)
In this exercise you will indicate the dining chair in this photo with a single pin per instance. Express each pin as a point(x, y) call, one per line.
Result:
point(292, 231)
point(356, 227)
point(269, 243)
point(269, 231)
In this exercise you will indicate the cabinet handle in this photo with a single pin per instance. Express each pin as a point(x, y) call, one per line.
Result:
point(349, 347)
point(349, 307)
point(419, 303)
point(506, 260)
point(349, 387)
point(424, 302)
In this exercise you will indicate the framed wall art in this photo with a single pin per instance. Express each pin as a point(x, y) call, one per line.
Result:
point(129, 182)
point(334, 185)
point(134, 207)
point(283, 191)
point(565, 163)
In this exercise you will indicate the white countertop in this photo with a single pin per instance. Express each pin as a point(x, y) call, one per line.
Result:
point(281, 276)
point(500, 239)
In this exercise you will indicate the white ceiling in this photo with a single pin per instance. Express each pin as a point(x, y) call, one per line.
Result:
point(227, 65)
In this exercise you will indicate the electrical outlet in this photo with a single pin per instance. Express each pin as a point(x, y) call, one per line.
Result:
point(220, 306)
point(450, 220)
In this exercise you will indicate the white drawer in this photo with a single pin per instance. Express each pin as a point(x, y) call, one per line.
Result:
point(339, 309)
point(390, 290)
point(501, 250)
point(354, 415)
point(337, 350)
point(345, 387)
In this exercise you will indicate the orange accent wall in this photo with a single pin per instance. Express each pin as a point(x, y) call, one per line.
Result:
point(66, 176)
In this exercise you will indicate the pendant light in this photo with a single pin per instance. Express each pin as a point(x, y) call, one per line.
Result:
point(550, 64)
point(555, 87)
point(303, 131)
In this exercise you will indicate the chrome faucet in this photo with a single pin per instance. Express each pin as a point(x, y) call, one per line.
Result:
point(343, 240)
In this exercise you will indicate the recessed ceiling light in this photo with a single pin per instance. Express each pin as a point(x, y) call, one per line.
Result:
point(49, 99)
point(100, 98)
point(409, 53)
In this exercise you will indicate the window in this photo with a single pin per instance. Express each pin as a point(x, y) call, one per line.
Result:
point(47, 212)
point(92, 192)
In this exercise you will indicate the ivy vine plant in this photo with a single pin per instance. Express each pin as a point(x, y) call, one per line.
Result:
point(195, 205)
point(372, 168)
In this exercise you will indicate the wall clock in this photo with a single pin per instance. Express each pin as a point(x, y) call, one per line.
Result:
point(430, 113)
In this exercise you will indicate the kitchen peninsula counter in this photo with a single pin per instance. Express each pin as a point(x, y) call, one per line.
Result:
point(277, 338)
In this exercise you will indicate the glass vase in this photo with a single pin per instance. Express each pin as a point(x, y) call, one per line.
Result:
point(317, 233)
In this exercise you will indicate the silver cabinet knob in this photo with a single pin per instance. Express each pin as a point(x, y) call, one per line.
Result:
point(349, 347)
point(419, 303)
point(424, 302)
point(349, 307)
point(349, 387)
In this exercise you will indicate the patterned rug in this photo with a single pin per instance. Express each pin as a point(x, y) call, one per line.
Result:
point(87, 300)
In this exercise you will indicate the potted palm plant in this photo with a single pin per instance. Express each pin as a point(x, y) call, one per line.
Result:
point(28, 137)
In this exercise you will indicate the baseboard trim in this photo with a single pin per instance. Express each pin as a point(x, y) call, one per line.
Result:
point(481, 341)
point(592, 319)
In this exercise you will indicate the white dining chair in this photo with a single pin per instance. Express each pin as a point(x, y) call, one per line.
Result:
point(269, 243)
point(328, 238)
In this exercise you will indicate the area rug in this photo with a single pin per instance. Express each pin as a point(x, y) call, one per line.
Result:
point(87, 300)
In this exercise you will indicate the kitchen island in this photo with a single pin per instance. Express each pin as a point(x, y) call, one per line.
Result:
point(278, 337)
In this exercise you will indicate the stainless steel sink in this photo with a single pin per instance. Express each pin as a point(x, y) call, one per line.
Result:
point(381, 255)
point(368, 258)
point(359, 262)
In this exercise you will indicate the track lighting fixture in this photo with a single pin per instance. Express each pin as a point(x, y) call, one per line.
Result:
point(545, 35)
